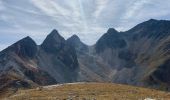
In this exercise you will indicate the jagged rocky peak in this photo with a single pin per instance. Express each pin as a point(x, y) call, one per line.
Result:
point(111, 39)
point(75, 37)
point(53, 42)
point(152, 20)
point(149, 24)
point(58, 46)
point(77, 44)
point(112, 30)
point(156, 29)
point(54, 36)
point(25, 47)
point(156, 21)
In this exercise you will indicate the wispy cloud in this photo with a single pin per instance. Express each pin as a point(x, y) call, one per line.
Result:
point(51, 8)
point(89, 19)
point(2, 7)
point(135, 7)
point(100, 6)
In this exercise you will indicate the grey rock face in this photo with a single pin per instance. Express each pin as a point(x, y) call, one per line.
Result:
point(112, 39)
point(22, 48)
point(58, 58)
point(18, 66)
point(52, 62)
point(139, 56)
point(77, 44)
point(53, 42)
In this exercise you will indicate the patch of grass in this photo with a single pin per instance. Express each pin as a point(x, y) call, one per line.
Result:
point(90, 91)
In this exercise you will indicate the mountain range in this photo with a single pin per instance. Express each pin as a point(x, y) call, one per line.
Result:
point(139, 56)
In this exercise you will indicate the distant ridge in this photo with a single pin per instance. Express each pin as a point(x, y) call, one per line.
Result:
point(139, 56)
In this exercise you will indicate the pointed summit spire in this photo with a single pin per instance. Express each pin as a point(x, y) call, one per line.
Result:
point(74, 38)
point(25, 47)
point(55, 35)
point(25, 39)
point(112, 30)
point(54, 32)
point(28, 38)
point(111, 39)
point(75, 41)
point(53, 42)
point(152, 20)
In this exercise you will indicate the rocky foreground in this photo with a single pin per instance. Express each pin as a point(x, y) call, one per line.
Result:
point(87, 91)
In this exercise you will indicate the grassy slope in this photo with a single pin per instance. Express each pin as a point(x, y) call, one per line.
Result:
point(89, 91)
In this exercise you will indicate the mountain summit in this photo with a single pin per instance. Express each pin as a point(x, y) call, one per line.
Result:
point(112, 30)
point(77, 44)
point(112, 39)
point(139, 56)
point(53, 42)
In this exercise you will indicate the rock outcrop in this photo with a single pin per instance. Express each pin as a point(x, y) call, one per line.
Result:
point(139, 56)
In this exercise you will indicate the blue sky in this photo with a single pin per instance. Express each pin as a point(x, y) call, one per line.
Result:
point(89, 19)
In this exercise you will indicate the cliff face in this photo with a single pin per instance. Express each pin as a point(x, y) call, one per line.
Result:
point(112, 39)
point(19, 66)
point(58, 58)
point(139, 56)
point(25, 64)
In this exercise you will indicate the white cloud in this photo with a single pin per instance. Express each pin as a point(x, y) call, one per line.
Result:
point(51, 8)
point(100, 6)
point(135, 8)
point(89, 19)
point(1, 6)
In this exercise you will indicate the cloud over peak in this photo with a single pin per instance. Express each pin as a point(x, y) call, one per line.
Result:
point(89, 19)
